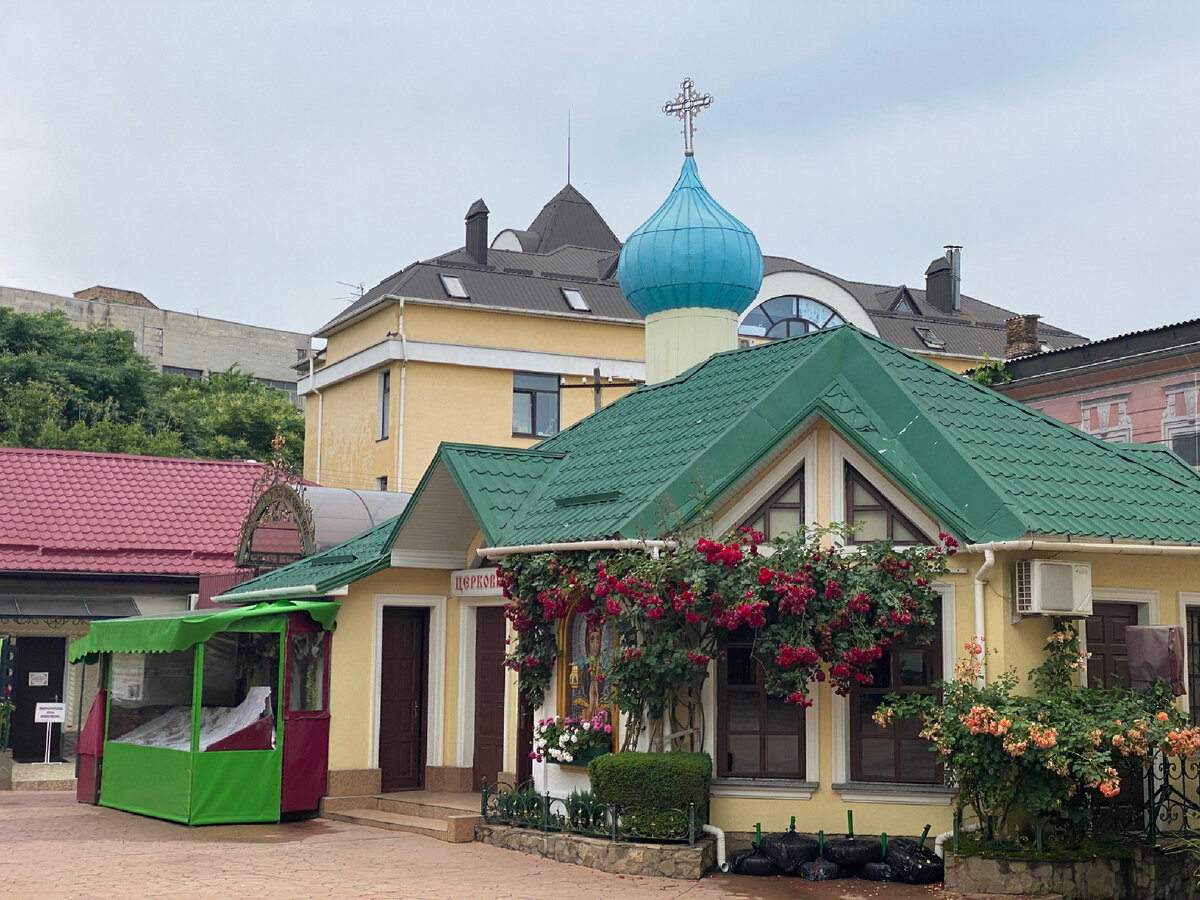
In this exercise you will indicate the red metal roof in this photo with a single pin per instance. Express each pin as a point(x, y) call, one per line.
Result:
point(68, 511)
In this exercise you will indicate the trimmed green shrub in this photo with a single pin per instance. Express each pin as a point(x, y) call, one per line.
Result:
point(646, 786)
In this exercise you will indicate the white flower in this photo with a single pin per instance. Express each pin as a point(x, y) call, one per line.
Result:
point(587, 726)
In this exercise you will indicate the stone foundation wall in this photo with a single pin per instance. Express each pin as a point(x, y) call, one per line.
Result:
point(618, 858)
point(1149, 874)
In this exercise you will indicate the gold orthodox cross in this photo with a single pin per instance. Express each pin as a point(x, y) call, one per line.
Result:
point(686, 107)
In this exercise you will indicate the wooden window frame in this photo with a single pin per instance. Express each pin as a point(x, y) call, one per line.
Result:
point(882, 504)
point(894, 732)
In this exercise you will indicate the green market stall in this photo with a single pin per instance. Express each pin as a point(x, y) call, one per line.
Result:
point(213, 716)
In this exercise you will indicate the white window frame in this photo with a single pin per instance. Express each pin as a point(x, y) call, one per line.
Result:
point(1187, 600)
point(383, 405)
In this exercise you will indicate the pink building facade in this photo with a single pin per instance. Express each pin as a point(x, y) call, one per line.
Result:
point(1139, 388)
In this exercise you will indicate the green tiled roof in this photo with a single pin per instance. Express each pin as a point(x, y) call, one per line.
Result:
point(494, 481)
point(989, 467)
point(356, 558)
point(986, 466)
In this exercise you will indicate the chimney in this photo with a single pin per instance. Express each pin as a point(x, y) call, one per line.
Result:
point(1021, 336)
point(939, 285)
point(477, 232)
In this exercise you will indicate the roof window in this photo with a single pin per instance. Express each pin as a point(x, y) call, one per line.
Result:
point(575, 299)
point(454, 287)
point(932, 341)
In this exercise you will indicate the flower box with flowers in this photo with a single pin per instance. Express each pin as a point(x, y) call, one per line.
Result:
point(571, 741)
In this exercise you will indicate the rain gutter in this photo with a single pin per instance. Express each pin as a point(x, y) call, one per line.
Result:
point(568, 546)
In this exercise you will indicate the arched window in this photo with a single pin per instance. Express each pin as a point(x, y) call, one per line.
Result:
point(787, 316)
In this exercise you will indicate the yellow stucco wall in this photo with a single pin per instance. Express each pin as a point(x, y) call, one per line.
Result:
point(443, 402)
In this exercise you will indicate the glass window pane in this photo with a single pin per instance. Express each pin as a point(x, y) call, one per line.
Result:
point(306, 687)
point(872, 525)
point(913, 668)
point(867, 704)
point(742, 756)
point(783, 755)
point(241, 676)
point(784, 521)
point(547, 414)
point(742, 667)
point(779, 308)
point(743, 712)
point(782, 716)
point(917, 762)
point(902, 535)
point(759, 524)
point(878, 760)
point(530, 382)
point(862, 497)
point(151, 699)
point(522, 413)
point(791, 495)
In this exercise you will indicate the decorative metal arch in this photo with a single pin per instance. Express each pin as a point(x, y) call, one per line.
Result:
point(280, 502)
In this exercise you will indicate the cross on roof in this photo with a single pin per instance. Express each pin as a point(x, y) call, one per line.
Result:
point(686, 107)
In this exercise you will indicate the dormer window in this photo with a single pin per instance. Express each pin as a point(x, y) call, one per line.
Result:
point(575, 299)
point(454, 287)
point(931, 340)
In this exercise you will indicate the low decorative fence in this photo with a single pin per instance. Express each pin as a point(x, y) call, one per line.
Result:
point(1161, 803)
point(524, 806)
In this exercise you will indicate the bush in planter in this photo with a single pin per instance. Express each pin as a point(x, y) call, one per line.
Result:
point(653, 790)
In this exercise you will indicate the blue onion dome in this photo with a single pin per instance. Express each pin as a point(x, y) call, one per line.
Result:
point(691, 252)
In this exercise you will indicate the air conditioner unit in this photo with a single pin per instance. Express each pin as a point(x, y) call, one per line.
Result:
point(1049, 587)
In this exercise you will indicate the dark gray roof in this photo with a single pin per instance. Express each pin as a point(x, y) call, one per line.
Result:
point(569, 245)
point(976, 329)
point(1119, 351)
point(570, 219)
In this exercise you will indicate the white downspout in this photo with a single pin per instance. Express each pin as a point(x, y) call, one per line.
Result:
point(989, 560)
point(400, 417)
point(720, 836)
point(941, 839)
point(312, 384)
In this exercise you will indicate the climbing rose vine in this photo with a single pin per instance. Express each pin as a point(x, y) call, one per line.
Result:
point(815, 611)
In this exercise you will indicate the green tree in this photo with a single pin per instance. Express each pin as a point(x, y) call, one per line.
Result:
point(64, 388)
point(229, 415)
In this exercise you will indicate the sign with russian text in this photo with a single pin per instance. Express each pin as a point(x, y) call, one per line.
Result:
point(50, 712)
point(474, 582)
point(39, 679)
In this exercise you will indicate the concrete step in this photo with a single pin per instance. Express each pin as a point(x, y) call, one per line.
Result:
point(43, 776)
point(453, 828)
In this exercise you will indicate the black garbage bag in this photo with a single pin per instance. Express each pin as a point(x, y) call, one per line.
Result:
point(752, 862)
point(789, 850)
point(878, 871)
point(914, 863)
point(853, 851)
point(821, 870)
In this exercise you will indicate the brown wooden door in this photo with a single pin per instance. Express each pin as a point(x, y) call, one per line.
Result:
point(1108, 665)
point(402, 692)
point(489, 694)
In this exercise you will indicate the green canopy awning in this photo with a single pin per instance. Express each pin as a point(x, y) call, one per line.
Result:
point(178, 631)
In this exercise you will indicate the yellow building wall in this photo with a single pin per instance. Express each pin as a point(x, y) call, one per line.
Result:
point(443, 402)
point(353, 663)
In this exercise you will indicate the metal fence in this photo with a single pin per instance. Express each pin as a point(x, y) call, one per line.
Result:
point(580, 813)
point(1155, 804)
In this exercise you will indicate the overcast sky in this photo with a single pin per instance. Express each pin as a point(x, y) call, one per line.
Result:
point(242, 158)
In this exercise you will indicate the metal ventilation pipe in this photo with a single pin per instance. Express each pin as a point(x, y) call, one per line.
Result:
point(954, 255)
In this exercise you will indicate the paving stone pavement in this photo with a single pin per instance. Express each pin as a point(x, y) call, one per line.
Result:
point(54, 847)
